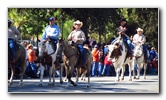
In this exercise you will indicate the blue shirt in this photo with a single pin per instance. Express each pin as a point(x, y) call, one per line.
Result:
point(153, 54)
point(53, 31)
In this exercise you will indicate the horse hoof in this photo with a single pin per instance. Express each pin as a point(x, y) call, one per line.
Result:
point(52, 84)
point(137, 78)
point(84, 80)
point(144, 77)
point(130, 79)
point(61, 82)
point(10, 83)
point(40, 84)
point(134, 77)
point(122, 79)
point(75, 85)
point(20, 84)
point(117, 80)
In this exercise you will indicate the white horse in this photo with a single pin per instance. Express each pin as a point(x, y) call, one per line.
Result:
point(47, 56)
point(139, 61)
point(118, 53)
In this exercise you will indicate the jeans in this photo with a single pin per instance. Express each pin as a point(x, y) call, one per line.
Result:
point(100, 68)
point(82, 51)
point(33, 68)
point(12, 47)
point(94, 68)
point(54, 41)
point(106, 70)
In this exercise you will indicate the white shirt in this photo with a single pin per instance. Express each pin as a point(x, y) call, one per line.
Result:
point(139, 38)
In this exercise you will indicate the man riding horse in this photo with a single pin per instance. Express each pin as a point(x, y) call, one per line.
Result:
point(78, 37)
point(12, 33)
point(121, 32)
point(139, 38)
point(51, 32)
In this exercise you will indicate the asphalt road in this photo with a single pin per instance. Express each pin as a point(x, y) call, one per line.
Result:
point(98, 85)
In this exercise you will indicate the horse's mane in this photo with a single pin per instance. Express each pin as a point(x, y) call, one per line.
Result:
point(72, 49)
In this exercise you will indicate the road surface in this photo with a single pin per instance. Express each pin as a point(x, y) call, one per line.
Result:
point(98, 85)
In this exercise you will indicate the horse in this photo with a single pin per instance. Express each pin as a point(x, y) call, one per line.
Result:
point(139, 60)
point(20, 59)
point(71, 61)
point(47, 57)
point(118, 55)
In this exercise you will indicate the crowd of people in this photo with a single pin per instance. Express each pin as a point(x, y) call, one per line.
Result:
point(101, 66)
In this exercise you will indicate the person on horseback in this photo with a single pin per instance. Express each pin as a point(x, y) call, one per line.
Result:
point(139, 38)
point(78, 37)
point(121, 32)
point(13, 36)
point(51, 32)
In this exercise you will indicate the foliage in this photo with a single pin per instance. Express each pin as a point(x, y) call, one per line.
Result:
point(99, 23)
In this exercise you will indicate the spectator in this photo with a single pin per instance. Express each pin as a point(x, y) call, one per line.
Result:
point(31, 59)
point(95, 64)
point(107, 64)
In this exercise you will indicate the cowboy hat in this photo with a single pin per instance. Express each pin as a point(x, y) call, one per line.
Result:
point(78, 22)
point(9, 20)
point(139, 29)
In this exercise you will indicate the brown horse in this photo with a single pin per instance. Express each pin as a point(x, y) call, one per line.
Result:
point(71, 61)
point(20, 58)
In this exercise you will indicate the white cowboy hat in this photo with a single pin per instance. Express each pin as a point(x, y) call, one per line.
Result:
point(139, 29)
point(78, 22)
point(9, 20)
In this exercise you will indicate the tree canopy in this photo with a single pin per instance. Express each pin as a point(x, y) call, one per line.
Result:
point(99, 23)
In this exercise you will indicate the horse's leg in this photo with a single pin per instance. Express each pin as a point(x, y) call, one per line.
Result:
point(83, 76)
point(88, 73)
point(66, 71)
point(122, 73)
point(77, 75)
point(12, 73)
point(130, 70)
point(138, 71)
point(117, 74)
point(50, 75)
point(61, 72)
point(23, 68)
point(133, 67)
point(41, 74)
point(145, 65)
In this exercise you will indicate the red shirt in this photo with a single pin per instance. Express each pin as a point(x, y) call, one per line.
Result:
point(106, 61)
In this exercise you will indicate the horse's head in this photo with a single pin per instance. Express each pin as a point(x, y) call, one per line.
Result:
point(60, 48)
point(138, 50)
point(114, 51)
point(42, 46)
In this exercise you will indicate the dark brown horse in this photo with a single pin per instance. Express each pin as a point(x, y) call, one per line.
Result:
point(20, 58)
point(71, 61)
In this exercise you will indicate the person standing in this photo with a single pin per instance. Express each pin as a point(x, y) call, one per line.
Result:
point(95, 63)
point(13, 36)
point(51, 32)
point(31, 58)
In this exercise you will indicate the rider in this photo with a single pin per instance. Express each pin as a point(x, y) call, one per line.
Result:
point(51, 32)
point(139, 38)
point(78, 37)
point(13, 36)
point(121, 32)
